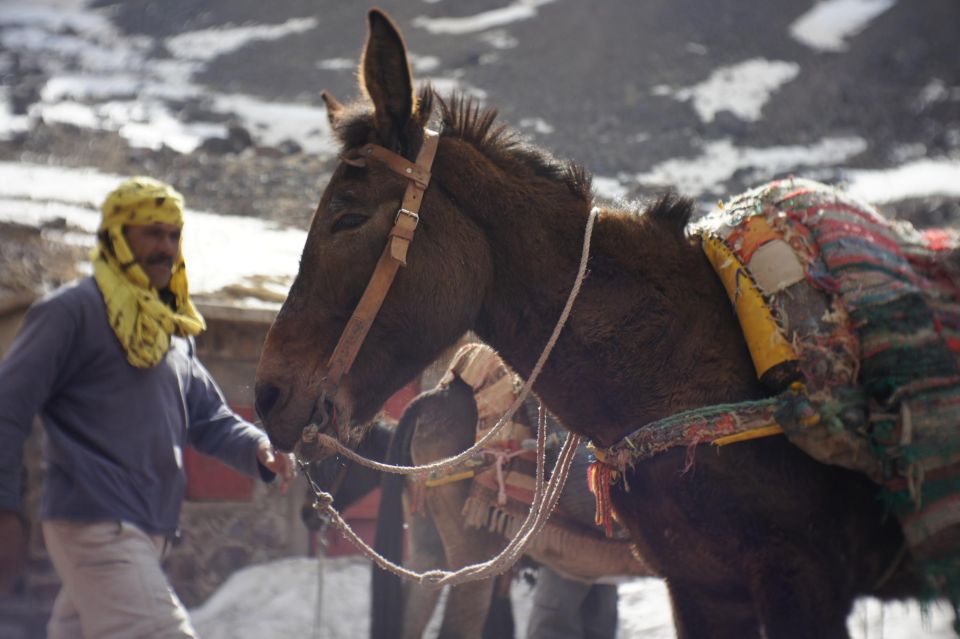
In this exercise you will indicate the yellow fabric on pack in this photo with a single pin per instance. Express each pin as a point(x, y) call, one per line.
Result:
point(768, 347)
point(139, 318)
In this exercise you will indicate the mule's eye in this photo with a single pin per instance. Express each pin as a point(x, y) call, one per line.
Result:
point(348, 221)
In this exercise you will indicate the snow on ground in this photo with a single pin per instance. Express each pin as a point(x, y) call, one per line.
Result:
point(828, 24)
point(279, 599)
point(101, 79)
point(742, 88)
point(519, 10)
point(122, 88)
point(706, 173)
point(918, 178)
point(207, 44)
point(262, 253)
point(220, 250)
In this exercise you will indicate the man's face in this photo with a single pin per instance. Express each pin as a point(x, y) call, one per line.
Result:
point(155, 247)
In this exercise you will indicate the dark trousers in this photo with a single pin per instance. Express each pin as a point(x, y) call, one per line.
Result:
point(569, 609)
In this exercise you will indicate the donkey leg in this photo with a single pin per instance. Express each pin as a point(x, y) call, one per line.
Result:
point(425, 552)
point(466, 610)
point(707, 613)
point(418, 609)
point(467, 604)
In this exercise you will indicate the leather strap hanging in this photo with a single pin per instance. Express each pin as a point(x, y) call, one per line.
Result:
point(394, 253)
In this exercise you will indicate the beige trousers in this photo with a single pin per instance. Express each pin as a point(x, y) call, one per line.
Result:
point(113, 585)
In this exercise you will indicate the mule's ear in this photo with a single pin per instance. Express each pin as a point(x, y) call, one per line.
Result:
point(334, 108)
point(385, 75)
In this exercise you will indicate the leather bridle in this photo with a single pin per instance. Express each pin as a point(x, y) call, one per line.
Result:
point(394, 253)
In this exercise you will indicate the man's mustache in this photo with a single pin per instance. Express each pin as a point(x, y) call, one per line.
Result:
point(160, 259)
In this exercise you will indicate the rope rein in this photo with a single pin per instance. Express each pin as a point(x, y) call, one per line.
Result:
point(546, 494)
point(545, 499)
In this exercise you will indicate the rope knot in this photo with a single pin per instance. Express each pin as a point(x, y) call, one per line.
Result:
point(322, 502)
point(433, 578)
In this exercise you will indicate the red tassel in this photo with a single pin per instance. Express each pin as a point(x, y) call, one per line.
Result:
point(417, 489)
point(599, 478)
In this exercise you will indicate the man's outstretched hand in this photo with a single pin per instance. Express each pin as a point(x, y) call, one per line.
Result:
point(282, 464)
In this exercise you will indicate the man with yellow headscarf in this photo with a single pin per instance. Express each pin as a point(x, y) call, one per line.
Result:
point(109, 363)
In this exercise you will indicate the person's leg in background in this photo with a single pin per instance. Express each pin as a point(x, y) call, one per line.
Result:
point(599, 612)
point(555, 613)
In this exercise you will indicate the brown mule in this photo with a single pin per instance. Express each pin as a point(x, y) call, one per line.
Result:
point(755, 539)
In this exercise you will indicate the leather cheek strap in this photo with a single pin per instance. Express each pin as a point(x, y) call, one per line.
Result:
point(394, 253)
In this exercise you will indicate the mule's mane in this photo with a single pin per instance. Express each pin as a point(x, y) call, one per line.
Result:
point(464, 118)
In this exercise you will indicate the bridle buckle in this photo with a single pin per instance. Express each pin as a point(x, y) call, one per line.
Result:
point(402, 211)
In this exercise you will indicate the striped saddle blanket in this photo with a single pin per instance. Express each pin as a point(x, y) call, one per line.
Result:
point(862, 314)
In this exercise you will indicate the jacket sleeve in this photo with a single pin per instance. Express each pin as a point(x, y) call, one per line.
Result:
point(28, 377)
point(217, 431)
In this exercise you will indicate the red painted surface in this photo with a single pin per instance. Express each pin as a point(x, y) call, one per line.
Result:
point(209, 479)
point(362, 517)
point(395, 405)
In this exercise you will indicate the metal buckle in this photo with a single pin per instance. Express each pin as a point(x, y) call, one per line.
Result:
point(416, 218)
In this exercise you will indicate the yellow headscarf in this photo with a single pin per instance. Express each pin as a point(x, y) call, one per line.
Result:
point(138, 317)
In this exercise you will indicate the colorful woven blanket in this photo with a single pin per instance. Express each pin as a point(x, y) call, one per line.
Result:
point(853, 322)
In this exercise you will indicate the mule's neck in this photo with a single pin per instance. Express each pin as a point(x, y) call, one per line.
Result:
point(651, 334)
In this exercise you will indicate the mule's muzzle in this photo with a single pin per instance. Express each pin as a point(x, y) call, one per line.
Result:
point(265, 399)
point(274, 411)
point(323, 420)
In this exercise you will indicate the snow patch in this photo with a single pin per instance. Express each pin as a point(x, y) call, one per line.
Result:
point(919, 178)
point(207, 44)
point(514, 12)
point(721, 159)
point(742, 88)
point(220, 250)
point(830, 23)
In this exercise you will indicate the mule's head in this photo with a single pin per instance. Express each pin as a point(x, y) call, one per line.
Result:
point(434, 296)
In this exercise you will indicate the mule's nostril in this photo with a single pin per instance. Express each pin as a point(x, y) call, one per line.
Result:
point(266, 398)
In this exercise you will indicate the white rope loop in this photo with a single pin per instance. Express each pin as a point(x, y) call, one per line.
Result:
point(546, 494)
point(544, 500)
